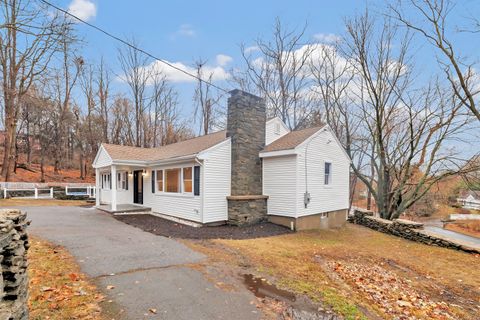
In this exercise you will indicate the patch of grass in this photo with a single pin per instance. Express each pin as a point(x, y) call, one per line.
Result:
point(40, 202)
point(299, 263)
point(57, 289)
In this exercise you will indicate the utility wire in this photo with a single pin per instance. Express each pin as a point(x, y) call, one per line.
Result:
point(132, 46)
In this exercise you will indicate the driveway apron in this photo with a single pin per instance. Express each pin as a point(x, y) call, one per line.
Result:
point(148, 273)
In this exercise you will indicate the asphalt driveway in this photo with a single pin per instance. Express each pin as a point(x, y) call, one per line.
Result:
point(147, 271)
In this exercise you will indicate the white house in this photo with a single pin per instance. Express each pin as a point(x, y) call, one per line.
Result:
point(469, 199)
point(254, 170)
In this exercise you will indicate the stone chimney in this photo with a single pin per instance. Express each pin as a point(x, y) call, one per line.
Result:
point(246, 121)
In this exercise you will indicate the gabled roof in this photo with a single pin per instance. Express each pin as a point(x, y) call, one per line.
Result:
point(291, 140)
point(174, 150)
point(466, 193)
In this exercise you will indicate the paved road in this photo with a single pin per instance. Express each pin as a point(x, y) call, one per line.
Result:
point(456, 236)
point(147, 271)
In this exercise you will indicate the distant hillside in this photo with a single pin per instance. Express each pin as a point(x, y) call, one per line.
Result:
point(65, 175)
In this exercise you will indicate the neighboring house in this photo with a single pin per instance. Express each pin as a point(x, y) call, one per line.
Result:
point(254, 170)
point(469, 199)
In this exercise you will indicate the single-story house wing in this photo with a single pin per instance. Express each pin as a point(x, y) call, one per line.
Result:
point(255, 170)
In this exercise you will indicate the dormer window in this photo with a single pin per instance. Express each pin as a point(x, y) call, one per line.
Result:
point(277, 128)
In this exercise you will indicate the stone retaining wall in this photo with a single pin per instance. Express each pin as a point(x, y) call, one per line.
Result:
point(405, 229)
point(13, 265)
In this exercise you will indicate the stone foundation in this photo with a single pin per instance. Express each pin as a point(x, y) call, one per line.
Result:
point(13, 263)
point(246, 209)
point(406, 229)
point(326, 220)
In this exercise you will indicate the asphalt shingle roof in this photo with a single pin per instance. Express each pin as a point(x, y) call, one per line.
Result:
point(291, 140)
point(174, 150)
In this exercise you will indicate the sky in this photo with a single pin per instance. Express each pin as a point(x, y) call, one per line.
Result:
point(182, 32)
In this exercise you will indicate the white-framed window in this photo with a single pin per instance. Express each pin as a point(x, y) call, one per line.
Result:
point(277, 128)
point(173, 180)
point(122, 180)
point(159, 178)
point(105, 177)
point(327, 173)
point(187, 180)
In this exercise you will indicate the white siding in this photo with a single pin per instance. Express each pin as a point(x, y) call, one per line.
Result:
point(216, 183)
point(105, 196)
point(184, 206)
point(102, 159)
point(271, 134)
point(279, 184)
point(324, 198)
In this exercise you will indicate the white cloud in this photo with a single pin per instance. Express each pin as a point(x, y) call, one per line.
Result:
point(218, 72)
point(326, 37)
point(223, 59)
point(84, 9)
point(186, 30)
point(251, 49)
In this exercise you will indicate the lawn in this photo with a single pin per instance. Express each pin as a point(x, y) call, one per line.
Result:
point(57, 289)
point(41, 202)
point(361, 273)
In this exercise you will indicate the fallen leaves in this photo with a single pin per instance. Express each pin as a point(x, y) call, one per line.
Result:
point(57, 290)
point(392, 294)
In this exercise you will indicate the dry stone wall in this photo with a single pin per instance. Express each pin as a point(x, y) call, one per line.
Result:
point(406, 229)
point(13, 265)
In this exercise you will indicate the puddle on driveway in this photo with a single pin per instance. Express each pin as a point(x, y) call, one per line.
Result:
point(296, 309)
point(262, 289)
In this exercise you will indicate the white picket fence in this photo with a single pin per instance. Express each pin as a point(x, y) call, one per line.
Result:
point(45, 190)
point(89, 191)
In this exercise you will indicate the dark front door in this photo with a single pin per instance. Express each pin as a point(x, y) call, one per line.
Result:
point(138, 187)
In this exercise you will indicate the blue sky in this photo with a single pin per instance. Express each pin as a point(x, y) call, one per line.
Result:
point(183, 31)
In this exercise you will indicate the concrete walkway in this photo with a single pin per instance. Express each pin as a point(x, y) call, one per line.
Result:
point(147, 271)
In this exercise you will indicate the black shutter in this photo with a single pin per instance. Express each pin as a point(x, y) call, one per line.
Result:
point(110, 180)
point(153, 181)
point(196, 180)
point(126, 180)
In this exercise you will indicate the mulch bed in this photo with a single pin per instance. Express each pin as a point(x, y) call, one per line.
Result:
point(167, 228)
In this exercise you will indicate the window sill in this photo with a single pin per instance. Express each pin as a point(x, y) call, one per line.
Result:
point(174, 194)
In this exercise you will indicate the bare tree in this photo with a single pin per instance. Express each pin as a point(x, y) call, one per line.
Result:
point(103, 93)
point(65, 79)
point(206, 99)
point(333, 88)
point(406, 131)
point(29, 37)
point(137, 75)
point(434, 26)
point(278, 70)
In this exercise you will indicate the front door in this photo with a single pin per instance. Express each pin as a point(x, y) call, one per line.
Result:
point(138, 186)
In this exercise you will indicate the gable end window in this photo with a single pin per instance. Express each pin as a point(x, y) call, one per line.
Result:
point(277, 128)
point(328, 173)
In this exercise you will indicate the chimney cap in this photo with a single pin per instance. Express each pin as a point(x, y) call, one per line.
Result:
point(238, 92)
